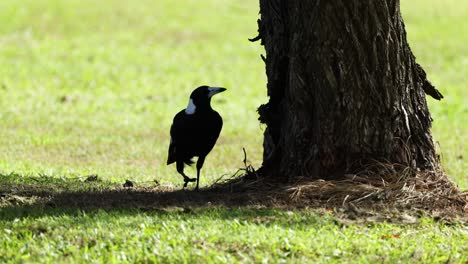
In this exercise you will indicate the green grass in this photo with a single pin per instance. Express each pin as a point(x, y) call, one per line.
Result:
point(222, 236)
point(125, 70)
point(90, 87)
point(438, 33)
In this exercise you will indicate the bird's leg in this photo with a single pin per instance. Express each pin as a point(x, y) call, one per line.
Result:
point(200, 162)
point(180, 170)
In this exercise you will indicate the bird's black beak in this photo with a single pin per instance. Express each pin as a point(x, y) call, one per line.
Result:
point(215, 90)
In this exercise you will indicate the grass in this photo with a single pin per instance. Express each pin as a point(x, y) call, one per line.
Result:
point(240, 234)
point(104, 89)
point(91, 87)
point(437, 33)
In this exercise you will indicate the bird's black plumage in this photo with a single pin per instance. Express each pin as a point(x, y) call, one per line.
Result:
point(194, 131)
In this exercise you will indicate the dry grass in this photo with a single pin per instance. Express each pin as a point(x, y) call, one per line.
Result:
point(430, 191)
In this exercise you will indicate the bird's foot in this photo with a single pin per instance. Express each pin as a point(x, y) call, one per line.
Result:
point(187, 180)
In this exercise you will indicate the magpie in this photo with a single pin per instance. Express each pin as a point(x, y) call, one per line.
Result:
point(194, 131)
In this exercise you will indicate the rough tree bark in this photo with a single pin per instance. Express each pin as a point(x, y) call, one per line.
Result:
point(344, 89)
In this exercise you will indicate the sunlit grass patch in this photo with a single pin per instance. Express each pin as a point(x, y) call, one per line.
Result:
point(90, 88)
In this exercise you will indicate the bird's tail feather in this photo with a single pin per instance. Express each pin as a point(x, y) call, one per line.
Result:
point(171, 156)
point(170, 160)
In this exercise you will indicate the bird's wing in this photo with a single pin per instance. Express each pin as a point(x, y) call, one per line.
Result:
point(211, 135)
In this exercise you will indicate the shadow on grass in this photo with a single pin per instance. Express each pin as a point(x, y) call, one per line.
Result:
point(91, 200)
point(27, 196)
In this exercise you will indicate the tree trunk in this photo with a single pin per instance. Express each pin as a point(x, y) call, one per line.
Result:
point(344, 89)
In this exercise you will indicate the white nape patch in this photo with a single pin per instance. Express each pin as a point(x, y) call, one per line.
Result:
point(213, 90)
point(191, 108)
